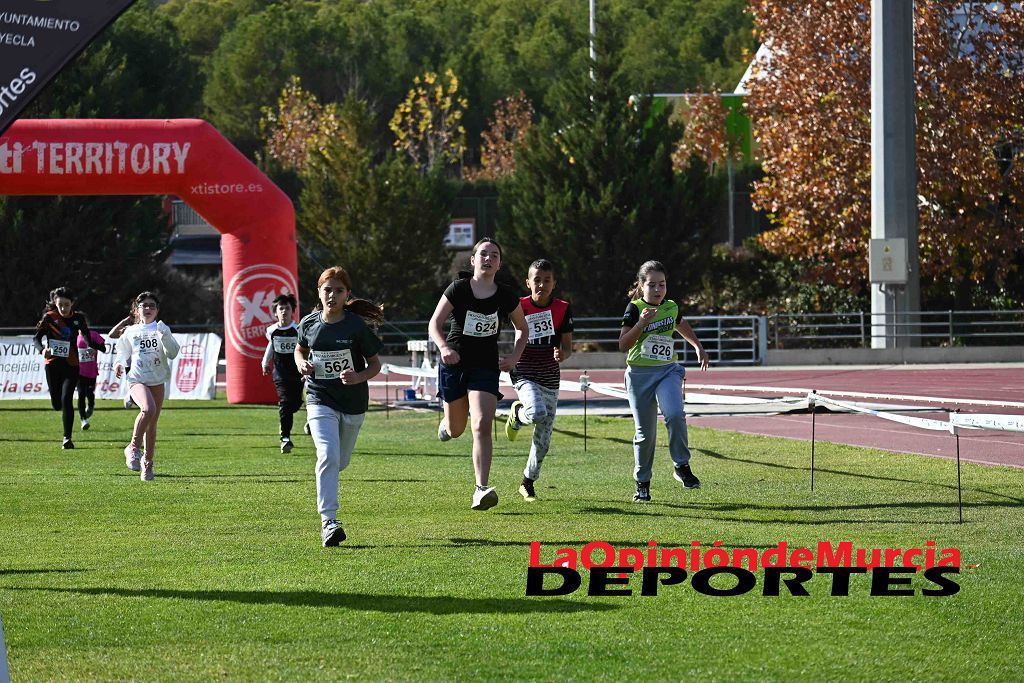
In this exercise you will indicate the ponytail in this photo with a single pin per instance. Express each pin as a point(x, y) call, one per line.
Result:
point(366, 309)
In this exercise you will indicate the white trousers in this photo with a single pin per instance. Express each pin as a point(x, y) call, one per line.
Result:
point(334, 434)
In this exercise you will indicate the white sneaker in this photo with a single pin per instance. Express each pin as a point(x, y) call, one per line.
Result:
point(146, 471)
point(442, 433)
point(484, 499)
point(129, 402)
point(132, 458)
point(85, 424)
point(305, 428)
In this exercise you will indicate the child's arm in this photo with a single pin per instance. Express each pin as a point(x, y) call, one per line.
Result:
point(268, 353)
point(629, 335)
point(171, 345)
point(564, 350)
point(372, 370)
point(118, 329)
point(683, 328)
point(508, 363)
point(124, 353)
point(302, 360)
point(436, 328)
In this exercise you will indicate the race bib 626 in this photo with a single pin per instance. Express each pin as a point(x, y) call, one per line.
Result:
point(658, 347)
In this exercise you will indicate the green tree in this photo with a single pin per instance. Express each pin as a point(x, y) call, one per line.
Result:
point(383, 221)
point(595, 192)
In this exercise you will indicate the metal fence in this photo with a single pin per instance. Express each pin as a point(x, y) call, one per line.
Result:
point(729, 340)
point(920, 328)
point(745, 339)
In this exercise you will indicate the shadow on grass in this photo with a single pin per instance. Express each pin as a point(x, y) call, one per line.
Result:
point(701, 512)
point(579, 435)
point(438, 604)
point(4, 572)
point(822, 470)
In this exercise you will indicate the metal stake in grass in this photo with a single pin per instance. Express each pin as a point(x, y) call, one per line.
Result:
point(959, 490)
point(810, 404)
point(387, 393)
point(584, 386)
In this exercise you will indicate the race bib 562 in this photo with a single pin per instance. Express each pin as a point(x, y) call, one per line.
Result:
point(331, 364)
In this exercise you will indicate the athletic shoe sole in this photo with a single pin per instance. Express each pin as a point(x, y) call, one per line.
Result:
point(287, 446)
point(678, 477)
point(527, 496)
point(335, 539)
point(489, 500)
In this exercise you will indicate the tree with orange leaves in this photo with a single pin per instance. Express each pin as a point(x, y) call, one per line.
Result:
point(810, 105)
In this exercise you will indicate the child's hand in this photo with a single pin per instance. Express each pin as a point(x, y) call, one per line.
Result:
point(647, 315)
point(507, 363)
point(47, 353)
point(450, 356)
point(350, 377)
point(558, 354)
point(306, 368)
point(702, 358)
point(118, 370)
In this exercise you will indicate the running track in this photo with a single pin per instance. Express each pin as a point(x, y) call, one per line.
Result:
point(991, 382)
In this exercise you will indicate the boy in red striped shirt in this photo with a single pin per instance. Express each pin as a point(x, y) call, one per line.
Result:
point(537, 374)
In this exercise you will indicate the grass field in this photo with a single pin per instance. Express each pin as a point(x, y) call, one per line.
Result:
point(215, 569)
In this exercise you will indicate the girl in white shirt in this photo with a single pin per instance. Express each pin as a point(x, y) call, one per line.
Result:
point(146, 348)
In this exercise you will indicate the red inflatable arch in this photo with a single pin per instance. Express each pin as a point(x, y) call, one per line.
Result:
point(190, 159)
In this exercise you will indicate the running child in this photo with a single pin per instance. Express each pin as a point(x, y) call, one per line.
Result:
point(61, 325)
point(146, 348)
point(115, 333)
point(653, 377)
point(279, 358)
point(88, 369)
point(470, 366)
point(537, 374)
point(337, 352)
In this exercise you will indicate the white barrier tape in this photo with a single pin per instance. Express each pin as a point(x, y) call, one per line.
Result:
point(609, 390)
point(858, 394)
point(389, 368)
point(1002, 423)
point(920, 422)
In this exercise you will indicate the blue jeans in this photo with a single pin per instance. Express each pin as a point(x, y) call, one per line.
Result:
point(649, 388)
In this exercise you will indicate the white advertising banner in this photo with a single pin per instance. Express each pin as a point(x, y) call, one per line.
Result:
point(193, 372)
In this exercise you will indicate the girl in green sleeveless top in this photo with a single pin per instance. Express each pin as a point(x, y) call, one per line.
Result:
point(653, 377)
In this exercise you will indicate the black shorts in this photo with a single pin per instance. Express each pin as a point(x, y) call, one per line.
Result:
point(86, 385)
point(455, 382)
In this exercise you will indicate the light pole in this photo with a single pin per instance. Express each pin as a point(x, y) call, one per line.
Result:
point(593, 33)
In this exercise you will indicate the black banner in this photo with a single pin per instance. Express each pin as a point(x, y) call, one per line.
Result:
point(38, 37)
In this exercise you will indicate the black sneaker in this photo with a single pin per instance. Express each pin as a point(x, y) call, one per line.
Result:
point(684, 475)
point(286, 445)
point(332, 533)
point(526, 490)
point(643, 492)
point(68, 444)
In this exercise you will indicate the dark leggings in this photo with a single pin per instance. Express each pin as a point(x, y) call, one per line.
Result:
point(86, 396)
point(289, 400)
point(62, 379)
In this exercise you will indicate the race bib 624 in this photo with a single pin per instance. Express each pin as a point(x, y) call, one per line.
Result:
point(480, 324)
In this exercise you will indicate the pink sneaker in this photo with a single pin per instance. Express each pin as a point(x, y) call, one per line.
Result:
point(132, 456)
point(146, 473)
